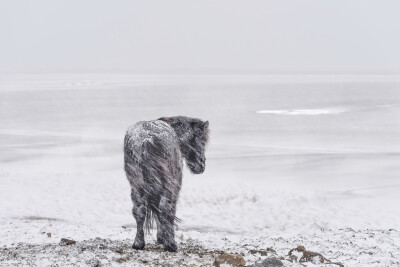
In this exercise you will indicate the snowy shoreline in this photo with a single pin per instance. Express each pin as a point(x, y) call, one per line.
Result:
point(36, 243)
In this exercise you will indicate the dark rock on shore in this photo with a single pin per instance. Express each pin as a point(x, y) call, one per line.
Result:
point(270, 262)
point(67, 242)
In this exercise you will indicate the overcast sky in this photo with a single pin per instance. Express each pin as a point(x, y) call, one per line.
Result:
point(203, 35)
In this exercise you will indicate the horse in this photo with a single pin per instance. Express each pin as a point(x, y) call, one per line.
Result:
point(153, 159)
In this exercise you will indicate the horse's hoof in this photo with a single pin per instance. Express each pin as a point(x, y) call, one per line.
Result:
point(138, 247)
point(160, 241)
point(171, 247)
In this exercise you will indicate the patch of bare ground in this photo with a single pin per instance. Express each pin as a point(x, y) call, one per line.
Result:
point(105, 252)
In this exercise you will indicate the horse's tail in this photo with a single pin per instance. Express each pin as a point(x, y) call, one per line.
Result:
point(148, 173)
point(149, 220)
point(152, 172)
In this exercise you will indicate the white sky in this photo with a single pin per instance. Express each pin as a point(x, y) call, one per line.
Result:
point(203, 35)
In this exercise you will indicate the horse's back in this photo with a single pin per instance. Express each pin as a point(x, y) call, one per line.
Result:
point(143, 132)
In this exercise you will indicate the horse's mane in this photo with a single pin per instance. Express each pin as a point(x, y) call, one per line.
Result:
point(207, 130)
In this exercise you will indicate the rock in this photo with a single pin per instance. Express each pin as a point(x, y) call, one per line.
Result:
point(122, 259)
point(94, 263)
point(48, 234)
point(309, 256)
point(261, 252)
point(67, 242)
point(293, 258)
point(119, 251)
point(229, 259)
point(270, 262)
point(271, 250)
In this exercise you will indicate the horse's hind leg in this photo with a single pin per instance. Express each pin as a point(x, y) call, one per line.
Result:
point(139, 213)
point(167, 210)
point(159, 231)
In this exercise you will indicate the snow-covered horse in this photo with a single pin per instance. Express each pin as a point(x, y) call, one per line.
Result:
point(154, 152)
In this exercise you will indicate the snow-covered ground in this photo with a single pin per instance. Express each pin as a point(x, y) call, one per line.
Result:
point(293, 160)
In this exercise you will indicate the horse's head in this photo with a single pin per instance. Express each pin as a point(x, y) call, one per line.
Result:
point(193, 138)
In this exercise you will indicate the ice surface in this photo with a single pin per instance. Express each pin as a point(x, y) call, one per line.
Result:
point(334, 163)
point(303, 111)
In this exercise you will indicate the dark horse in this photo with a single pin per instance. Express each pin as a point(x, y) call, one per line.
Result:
point(153, 164)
